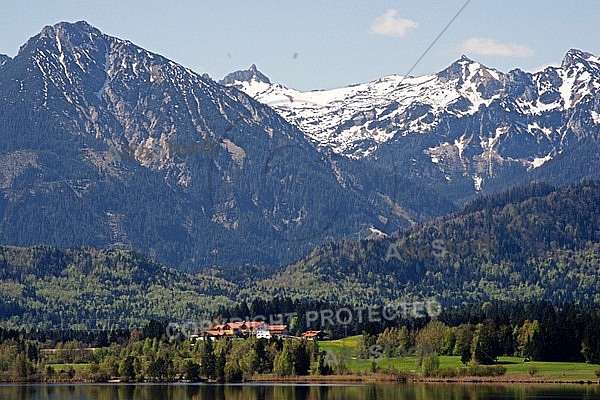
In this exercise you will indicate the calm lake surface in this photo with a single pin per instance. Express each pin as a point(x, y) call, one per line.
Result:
point(296, 392)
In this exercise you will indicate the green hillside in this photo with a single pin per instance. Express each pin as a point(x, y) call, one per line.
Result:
point(91, 288)
point(529, 243)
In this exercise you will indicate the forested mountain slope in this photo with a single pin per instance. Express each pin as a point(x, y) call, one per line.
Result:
point(535, 242)
point(531, 243)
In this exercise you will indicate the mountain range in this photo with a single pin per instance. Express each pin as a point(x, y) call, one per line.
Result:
point(105, 144)
point(468, 126)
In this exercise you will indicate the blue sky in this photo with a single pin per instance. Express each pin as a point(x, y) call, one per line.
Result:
point(319, 44)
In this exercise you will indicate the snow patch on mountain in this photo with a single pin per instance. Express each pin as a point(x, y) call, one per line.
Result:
point(539, 161)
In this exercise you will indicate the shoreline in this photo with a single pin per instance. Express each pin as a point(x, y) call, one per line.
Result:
point(412, 380)
point(338, 379)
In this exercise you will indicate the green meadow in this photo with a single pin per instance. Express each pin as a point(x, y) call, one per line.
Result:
point(347, 352)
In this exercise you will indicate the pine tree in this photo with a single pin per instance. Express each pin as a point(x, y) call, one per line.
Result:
point(301, 358)
point(220, 366)
point(591, 341)
point(192, 371)
point(208, 359)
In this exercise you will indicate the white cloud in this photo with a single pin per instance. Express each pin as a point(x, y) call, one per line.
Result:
point(491, 47)
point(389, 24)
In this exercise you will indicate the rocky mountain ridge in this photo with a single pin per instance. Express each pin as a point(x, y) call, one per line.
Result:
point(471, 122)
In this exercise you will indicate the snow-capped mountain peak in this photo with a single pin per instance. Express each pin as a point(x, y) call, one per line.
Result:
point(474, 119)
point(574, 56)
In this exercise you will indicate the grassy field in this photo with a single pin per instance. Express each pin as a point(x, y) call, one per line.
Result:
point(347, 351)
point(348, 348)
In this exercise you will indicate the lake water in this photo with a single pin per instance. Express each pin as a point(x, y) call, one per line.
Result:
point(297, 392)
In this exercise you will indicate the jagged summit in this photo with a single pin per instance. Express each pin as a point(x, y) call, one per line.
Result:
point(75, 33)
point(460, 69)
point(64, 26)
point(574, 56)
point(246, 75)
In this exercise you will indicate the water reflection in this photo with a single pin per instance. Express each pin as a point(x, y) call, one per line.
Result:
point(296, 392)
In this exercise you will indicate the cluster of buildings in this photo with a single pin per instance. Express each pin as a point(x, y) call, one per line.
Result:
point(258, 329)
